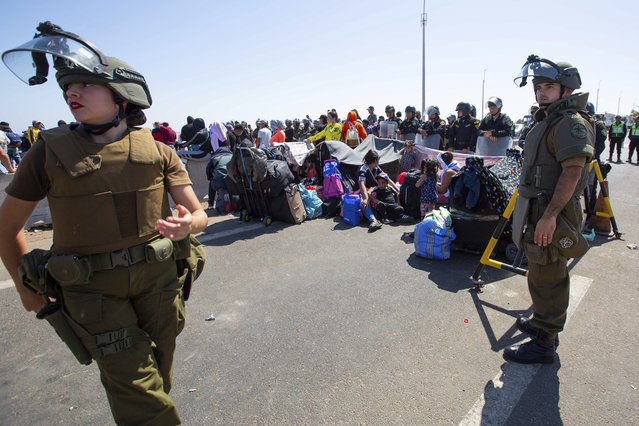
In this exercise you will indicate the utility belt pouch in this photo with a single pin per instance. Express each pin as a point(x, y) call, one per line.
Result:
point(158, 250)
point(33, 269)
point(55, 315)
point(69, 269)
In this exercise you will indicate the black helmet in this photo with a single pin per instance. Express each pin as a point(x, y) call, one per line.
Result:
point(463, 107)
point(590, 107)
point(410, 108)
point(389, 108)
point(288, 122)
point(296, 121)
point(473, 110)
point(76, 61)
point(545, 71)
point(494, 101)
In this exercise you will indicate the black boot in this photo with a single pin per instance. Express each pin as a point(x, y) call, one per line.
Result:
point(539, 350)
point(524, 325)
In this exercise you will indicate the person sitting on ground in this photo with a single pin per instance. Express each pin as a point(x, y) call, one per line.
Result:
point(366, 179)
point(200, 144)
point(216, 172)
point(331, 132)
point(309, 171)
point(387, 209)
point(4, 157)
point(428, 184)
point(409, 158)
point(449, 169)
point(278, 132)
point(13, 146)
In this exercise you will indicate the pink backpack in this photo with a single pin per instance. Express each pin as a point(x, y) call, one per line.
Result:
point(332, 179)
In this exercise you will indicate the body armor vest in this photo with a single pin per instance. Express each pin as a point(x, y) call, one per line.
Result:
point(103, 197)
point(541, 170)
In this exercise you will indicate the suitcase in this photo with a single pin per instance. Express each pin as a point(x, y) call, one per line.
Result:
point(288, 206)
point(409, 194)
point(473, 230)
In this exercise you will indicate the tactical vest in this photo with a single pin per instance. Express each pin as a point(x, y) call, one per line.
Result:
point(103, 197)
point(617, 129)
point(541, 170)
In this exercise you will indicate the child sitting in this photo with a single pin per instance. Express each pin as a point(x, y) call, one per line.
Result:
point(309, 171)
point(387, 209)
point(428, 184)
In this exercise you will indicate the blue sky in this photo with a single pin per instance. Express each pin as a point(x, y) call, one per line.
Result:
point(285, 59)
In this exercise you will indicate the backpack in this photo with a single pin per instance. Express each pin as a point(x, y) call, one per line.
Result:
point(352, 137)
point(332, 179)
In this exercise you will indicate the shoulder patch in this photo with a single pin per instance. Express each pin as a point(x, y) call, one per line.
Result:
point(578, 131)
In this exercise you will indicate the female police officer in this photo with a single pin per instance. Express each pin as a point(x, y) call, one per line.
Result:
point(106, 182)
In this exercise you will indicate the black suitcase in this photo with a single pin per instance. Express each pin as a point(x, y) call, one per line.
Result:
point(288, 206)
point(409, 194)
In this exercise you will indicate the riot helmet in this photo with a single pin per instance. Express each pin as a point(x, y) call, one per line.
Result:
point(463, 107)
point(494, 101)
point(590, 107)
point(544, 71)
point(79, 61)
point(389, 108)
point(473, 111)
point(534, 108)
point(410, 108)
point(432, 110)
point(75, 60)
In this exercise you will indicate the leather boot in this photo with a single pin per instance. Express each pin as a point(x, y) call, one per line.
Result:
point(524, 325)
point(539, 350)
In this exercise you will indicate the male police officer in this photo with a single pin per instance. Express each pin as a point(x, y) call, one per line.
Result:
point(547, 218)
point(463, 133)
point(616, 134)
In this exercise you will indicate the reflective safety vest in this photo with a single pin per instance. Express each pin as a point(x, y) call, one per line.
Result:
point(617, 129)
point(634, 130)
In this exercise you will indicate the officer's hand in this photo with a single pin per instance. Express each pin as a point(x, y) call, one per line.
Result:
point(544, 230)
point(176, 228)
point(31, 301)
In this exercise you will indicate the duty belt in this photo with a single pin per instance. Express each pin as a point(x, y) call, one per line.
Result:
point(74, 269)
point(125, 257)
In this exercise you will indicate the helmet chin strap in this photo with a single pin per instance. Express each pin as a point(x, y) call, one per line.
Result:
point(100, 129)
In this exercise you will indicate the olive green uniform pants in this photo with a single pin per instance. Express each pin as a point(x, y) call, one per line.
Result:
point(548, 278)
point(145, 296)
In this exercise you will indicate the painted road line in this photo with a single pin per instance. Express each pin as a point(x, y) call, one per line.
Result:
point(6, 284)
point(223, 234)
point(202, 238)
point(495, 406)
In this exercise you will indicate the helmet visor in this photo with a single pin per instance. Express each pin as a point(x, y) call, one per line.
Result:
point(538, 69)
point(30, 64)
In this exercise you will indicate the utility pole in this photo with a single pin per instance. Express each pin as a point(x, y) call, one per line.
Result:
point(483, 83)
point(619, 103)
point(597, 103)
point(424, 19)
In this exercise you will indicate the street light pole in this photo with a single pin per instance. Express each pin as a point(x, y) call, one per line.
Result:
point(424, 19)
point(619, 103)
point(483, 83)
point(597, 103)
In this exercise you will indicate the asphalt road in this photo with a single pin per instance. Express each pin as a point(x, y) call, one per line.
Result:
point(321, 323)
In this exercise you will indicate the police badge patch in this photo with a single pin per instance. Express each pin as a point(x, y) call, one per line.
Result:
point(578, 130)
point(566, 243)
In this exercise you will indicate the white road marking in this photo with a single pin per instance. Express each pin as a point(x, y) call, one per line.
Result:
point(6, 284)
point(223, 234)
point(501, 404)
point(203, 238)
